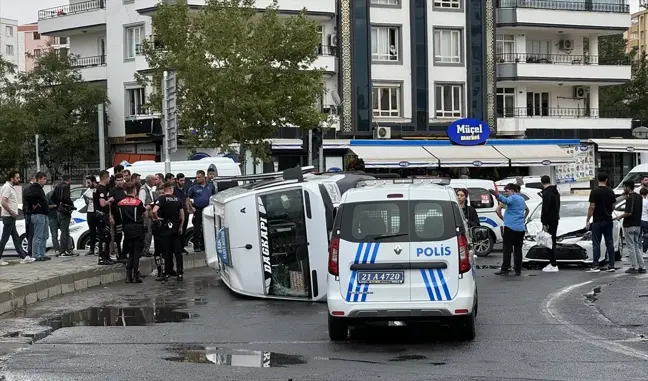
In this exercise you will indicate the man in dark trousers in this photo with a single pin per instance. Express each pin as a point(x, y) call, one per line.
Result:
point(602, 200)
point(550, 217)
point(632, 227)
point(182, 196)
point(169, 214)
point(117, 194)
point(64, 207)
point(102, 211)
point(198, 199)
point(27, 213)
point(132, 211)
point(88, 197)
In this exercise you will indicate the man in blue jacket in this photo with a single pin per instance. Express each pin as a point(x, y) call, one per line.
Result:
point(514, 228)
point(197, 199)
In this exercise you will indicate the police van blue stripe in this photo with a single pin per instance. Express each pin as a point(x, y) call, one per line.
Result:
point(374, 254)
point(352, 278)
point(365, 257)
point(444, 284)
point(427, 284)
point(437, 293)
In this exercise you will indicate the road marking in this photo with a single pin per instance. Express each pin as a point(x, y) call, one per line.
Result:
point(551, 312)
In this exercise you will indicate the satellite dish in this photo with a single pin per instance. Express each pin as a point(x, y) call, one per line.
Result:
point(336, 98)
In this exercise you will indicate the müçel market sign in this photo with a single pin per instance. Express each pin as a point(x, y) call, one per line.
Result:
point(468, 132)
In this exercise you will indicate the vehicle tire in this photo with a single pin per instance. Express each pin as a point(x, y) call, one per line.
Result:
point(188, 239)
point(338, 328)
point(84, 243)
point(485, 247)
point(466, 330)
point(23, 242)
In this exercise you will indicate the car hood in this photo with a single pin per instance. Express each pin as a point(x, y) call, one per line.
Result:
point(566, 225)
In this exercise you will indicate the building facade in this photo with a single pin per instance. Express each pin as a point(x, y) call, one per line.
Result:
point(31, 45)
point(9, 40)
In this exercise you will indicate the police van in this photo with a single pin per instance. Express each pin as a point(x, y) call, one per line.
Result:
point(401, 250)
point(269, 236)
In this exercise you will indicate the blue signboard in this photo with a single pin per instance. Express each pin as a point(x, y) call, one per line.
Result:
point(221, 246)
point(468, 132)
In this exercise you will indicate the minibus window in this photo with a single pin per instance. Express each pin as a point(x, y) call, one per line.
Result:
point(480, 198)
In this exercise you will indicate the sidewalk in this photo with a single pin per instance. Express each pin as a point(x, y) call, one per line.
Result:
point(24, 284)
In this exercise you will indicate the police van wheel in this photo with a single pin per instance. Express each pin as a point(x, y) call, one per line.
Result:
point(338, 328)
point(466, 330)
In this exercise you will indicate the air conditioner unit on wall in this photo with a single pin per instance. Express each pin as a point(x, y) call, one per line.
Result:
point(580, 92)
point(566, 45)
point(382, 133)
point(332, 40)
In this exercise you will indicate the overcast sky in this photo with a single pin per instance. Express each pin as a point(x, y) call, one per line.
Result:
point(26, 11)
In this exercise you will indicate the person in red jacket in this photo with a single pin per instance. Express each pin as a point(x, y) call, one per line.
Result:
point(132, 210)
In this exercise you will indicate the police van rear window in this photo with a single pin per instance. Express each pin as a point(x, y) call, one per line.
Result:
point(397, 221)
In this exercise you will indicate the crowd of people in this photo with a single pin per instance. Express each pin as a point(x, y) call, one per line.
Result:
point(123, 214)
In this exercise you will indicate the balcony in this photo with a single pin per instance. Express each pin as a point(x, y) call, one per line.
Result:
point(73, 18)
point(91, 68)
point(145, 122)
point(583, 14)
point(318, 9)
point(562, 68)
point(516, 120)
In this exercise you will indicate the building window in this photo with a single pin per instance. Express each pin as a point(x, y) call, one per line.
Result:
point(385, 43)
point(537, 104)
point(447, 46)
point(9, 31)
point(505, 47)
point(134, 37)
point(36, 36)
point(37, 53)
point(449, 100)
point(386, 100)
point(538, 49)
point(505, 102)
point(447, 4)
point(9, 50)
point(136, 99)
point(386, 2)
point(62, 40)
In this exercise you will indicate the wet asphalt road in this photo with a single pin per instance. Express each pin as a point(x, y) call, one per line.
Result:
point(534, 327)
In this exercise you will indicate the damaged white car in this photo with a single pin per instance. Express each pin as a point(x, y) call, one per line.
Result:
point(573, 242)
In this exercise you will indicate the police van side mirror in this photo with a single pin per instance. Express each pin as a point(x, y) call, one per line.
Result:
point(479, 233)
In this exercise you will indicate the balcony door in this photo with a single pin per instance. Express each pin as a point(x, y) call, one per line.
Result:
point(537, 104)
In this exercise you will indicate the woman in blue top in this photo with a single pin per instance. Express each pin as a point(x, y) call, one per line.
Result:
point(514, 228)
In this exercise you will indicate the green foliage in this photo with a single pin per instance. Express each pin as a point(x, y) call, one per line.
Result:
point(241, 73)
point(14, 118)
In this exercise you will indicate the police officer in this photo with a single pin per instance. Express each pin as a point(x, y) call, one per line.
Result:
point(102, 211)
point(117, 194)
point(181, 193)
point(197, 199)
point(131, 210)
point(169, 214)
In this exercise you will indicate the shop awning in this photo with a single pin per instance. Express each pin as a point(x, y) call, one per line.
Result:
point(621, 145)
point(395, 157)
point(286, 143)
point(336, 143)
point(462, 156)
point(534, 155)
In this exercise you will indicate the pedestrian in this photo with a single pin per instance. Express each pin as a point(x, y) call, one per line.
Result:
point(198, 199)
point(632, 228)
point(602, 200)
point(9, 201)
point(159, 181)
point(64, 208)
point(116, 169)
point(169, 177)
point(181, 194)
point(29, 230)
point(132, 212)
point(644, 182)
point(514, 227)
point(102, 210)
point(549, 217)
point(136, 179)
point(53, 222)
point(127, 176)
point(117, 194)
point(169, 213)
point(91, 216)
point(644, 218)
point(147, 196)
point(211, 174)
point(37, 201)
point(469, 212)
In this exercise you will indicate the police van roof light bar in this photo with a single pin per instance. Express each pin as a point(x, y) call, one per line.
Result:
point(260, 176)
point(435, 181)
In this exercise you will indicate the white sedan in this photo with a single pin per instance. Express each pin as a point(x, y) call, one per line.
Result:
point(574, 242)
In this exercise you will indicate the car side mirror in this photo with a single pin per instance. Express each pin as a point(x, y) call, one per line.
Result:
point(480, 233)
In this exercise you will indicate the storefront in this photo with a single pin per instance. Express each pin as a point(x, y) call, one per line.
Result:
point(617, 157)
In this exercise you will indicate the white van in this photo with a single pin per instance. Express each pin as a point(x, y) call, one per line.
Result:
point(401, 250)
point(486, 206)
point(224, 166)
point(636, 174)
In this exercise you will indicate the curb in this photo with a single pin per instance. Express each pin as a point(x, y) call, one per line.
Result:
point(28, 294)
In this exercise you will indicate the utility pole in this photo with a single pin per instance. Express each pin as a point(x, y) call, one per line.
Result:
point(170, 122)
point(37, 155)
point(102, 138)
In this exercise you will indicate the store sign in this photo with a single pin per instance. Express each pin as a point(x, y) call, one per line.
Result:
point(146, 148)
point(468, 132)
point(129, 148)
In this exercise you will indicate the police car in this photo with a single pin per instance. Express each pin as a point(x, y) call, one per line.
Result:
point(401, 250)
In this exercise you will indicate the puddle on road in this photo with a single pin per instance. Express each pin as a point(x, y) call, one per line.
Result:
point(117, 316)
point(591, 296)
point(238, 358)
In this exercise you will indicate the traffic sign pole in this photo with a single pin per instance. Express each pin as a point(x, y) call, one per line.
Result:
point(170, 121)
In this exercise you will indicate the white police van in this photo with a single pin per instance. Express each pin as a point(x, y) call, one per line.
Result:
point(401, 250)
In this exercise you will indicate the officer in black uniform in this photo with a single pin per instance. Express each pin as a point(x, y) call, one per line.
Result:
point(169, 213)
point(117, 193)
point(131, 210)
point(102, 211)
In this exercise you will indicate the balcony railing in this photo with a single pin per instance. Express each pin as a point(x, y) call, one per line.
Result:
point(563, 59)
point(583, 5)
point(71, 9)
point(326, 50)
point(81, 62)
point(556, 112)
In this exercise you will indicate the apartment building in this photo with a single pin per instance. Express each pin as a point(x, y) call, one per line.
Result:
point(9, 40)
point(31, 45)
point(636, 36)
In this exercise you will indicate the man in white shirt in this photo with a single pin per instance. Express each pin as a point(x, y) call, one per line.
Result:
point(93, 220)
point(147, 196)
point(9, 201)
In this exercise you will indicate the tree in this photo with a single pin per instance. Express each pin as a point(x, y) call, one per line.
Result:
point(15, 120)
point(63, 111)
point(242, 74)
